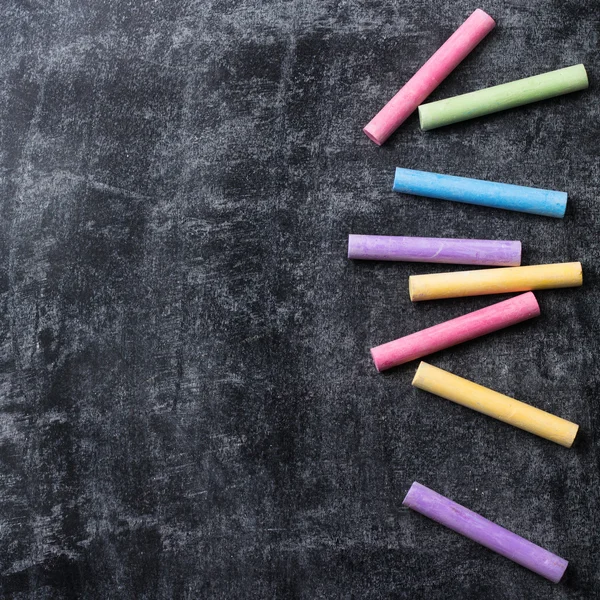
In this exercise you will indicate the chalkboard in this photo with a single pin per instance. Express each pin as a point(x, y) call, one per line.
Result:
point(188, 404)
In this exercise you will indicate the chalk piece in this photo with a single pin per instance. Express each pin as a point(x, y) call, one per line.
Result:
point(548, 203)
point(453, 332)
point(502, 97)
point(429, 76)
point(491, 403)
point(498, 253)
point(485, 532)
point(494, 281)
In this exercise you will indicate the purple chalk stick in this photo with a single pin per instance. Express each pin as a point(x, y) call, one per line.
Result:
point(500, 253)
point(488, 534)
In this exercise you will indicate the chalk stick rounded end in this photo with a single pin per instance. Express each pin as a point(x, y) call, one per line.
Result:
point(530, 301)
point(423, 121)
point(584, 76)
point(518, 254)
point(397, 175)
point(372, 136)
point(351, 239)
point(414, 490)
point(576, 275)
point(485, 18)
point(418, 374)
point(563, 197)
point(560, 571)
point(570, 436)
point(377, 360)
point(410, 288)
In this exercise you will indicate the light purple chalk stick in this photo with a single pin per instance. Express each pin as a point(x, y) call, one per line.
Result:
point(488, 534)
point(500, 253)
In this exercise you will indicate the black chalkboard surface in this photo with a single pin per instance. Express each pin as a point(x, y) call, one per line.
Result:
point(188, 405)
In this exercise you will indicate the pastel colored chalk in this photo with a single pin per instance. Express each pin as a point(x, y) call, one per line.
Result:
point(548, 203)
point(487, 533)
point(496, 405)
point(453, 332)
point(494, 281)
point(499, 253)
point(502, 97)
point(429, 76)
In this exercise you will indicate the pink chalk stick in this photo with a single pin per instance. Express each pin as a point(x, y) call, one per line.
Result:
point(453, 332)
point(429, 76)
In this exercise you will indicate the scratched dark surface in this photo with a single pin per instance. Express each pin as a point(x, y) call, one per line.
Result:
point(188, 408)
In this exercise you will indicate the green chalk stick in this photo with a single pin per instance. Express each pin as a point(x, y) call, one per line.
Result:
point(502, 97)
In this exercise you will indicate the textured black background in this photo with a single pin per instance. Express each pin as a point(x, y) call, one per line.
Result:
point(188, 408)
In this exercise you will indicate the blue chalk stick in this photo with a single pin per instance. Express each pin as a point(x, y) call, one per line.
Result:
point(485, 193)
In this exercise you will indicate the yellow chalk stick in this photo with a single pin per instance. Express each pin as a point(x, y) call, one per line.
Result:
point(494, 281)
point(501, 407)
